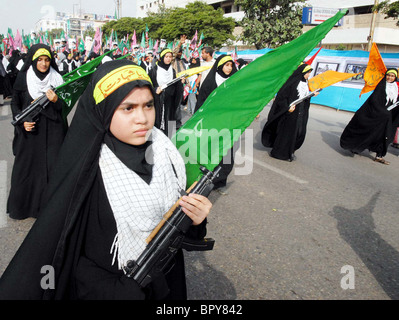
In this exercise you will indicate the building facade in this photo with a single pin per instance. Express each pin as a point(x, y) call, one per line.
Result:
point(353, 34)
point(73, 24)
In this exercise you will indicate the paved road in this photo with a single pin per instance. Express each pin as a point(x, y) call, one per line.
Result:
point(322, 227)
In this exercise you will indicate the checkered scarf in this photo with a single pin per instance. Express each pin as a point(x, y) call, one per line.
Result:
point(137, 206)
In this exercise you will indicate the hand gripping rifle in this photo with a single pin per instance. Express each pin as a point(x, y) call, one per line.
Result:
point(31, 113)
point(169, 236)
point(309, 95)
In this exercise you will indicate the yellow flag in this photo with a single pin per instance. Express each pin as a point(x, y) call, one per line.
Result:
point(328, 78)
point(190, 72)
point(375, 70)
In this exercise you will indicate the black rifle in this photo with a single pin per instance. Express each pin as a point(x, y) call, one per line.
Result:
point(31, 113)
point(165, 240)
point(294, 103)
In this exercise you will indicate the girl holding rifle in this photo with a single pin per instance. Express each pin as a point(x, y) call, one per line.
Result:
point(115, 178)
point(36, 143)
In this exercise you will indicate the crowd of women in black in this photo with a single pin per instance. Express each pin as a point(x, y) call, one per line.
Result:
point(77, 181)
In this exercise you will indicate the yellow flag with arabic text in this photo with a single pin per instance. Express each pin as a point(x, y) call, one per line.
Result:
point(328, 78)
point(375, 70)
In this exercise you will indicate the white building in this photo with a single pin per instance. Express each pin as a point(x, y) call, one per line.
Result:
point(352, 35)
point(72, 24)
point(144, 6)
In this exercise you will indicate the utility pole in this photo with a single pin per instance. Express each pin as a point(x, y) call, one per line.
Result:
point(372, 27)
point(119, 8)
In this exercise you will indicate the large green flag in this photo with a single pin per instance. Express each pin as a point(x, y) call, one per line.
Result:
point(211, 132)
point(76, 82)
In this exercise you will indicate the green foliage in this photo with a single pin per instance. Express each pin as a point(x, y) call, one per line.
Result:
point(270, 23)
point(391, 10)
point(171, 23)
point(89, 32)
point(55, 33)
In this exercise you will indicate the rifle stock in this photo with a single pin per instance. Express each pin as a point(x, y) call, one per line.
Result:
point(165, 240)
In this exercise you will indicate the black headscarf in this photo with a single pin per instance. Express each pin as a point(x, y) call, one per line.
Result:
point(20, 82)
point(196, 64)
point(72, 179)
point(161, 61)
point(209, 83)
point(220, 62)
point(31, 53)
point(241, 62)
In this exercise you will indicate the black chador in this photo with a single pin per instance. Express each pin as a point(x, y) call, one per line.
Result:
point(215, 78)
point(169, 99)
point(373, 127)
point(35, 151)
point(285, 131)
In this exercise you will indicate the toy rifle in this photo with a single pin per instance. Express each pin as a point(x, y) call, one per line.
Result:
point(31, 113)
point(169, 236)
point(309, 95)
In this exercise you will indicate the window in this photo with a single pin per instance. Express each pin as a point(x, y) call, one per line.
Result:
point(363, 10)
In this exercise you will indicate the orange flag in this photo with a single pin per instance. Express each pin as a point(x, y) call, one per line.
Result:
point(375, 70)
point(328, 78)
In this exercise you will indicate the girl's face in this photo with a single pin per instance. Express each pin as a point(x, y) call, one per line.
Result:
point(227, 68)
point(307, 75)
point(168, 58)
point(134, 117)
point(390, 77)
point(43, 63)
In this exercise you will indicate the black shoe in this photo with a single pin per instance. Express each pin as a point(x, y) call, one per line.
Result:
point(293, 158)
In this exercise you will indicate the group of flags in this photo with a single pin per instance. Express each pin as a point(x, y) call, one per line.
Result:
point(124, 45)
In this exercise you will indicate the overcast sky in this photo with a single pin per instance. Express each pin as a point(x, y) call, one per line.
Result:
point(23, 14)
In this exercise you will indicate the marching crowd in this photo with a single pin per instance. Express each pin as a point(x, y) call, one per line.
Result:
point(77, 179)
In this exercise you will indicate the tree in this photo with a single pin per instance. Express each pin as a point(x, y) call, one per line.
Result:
point(89, 32)
point(55, 33)
point(391, 10)
point(198, 16)
point(171, 23)
point(270, 23)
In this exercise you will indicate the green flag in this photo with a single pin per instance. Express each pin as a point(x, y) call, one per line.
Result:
point(81, 47)
point(211, 132)
point(76, 82)
point(142, 43)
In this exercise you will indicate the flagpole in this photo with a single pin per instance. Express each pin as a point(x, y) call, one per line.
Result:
point(372, 26)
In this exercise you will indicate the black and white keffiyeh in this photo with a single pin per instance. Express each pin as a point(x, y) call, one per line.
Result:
point(138, 207)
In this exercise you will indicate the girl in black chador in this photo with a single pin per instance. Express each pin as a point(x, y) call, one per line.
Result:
point(373, 126)
point(168, 100)
point(36, 143)
point(223, 68)
point(285, 129)
point(115, 178)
